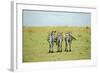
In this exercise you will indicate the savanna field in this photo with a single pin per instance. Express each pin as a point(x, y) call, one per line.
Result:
point(36, 46)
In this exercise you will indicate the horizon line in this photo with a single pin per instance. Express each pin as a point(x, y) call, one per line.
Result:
point(57, 26)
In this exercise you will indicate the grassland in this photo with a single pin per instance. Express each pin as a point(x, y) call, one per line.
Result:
point(35, 44)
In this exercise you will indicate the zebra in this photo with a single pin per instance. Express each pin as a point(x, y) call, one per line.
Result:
point(51, 40)
point(68, 41)
point(59, 41)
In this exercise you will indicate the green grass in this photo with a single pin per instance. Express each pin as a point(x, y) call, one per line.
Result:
point(35, 45)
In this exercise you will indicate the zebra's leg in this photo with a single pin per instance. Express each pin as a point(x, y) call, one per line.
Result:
point(70, 47)
point(66, 45)
point(49, 48)
point(58, 48)
point(52, 47)
point(61, 48)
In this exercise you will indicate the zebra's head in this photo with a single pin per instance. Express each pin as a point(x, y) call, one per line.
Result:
point(68, 33)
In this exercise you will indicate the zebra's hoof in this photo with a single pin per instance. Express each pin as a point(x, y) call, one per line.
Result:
point(61, 51)
point(49, 52)
point(52, 51)
point(58, 51)
point(70, 50)
point(66, 50)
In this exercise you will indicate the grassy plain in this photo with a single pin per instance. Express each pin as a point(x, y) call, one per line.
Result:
point(35, 44)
